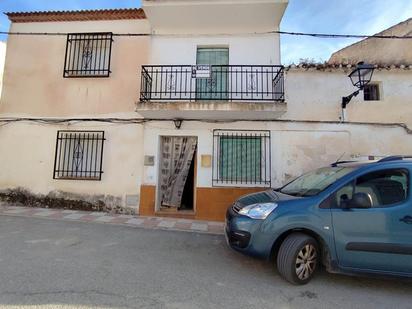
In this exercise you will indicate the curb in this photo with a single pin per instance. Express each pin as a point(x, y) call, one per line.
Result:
point(148, 223)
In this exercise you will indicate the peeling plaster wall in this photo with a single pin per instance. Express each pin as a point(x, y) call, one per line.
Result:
point(304, 151)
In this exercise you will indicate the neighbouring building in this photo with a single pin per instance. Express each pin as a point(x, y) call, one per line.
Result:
point(162, 114)
point(380, 51)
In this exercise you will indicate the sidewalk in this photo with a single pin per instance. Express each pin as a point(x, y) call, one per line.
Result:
point(105, 218)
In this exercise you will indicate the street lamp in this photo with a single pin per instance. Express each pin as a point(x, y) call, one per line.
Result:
point(360, 77)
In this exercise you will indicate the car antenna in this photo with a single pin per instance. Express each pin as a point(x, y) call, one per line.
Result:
point(340, 158)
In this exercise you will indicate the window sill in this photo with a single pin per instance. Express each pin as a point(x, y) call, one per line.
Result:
point(79, 178)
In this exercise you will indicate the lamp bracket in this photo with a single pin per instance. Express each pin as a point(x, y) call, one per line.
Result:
point(346, 100)
point(178, 123)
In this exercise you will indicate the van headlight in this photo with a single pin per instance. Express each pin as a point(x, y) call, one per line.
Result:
point(258, 211)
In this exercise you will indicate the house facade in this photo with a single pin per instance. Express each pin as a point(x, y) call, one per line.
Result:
point(156, 113)
point(52, 77)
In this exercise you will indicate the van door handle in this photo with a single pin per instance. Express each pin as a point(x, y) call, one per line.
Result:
point(406, 219)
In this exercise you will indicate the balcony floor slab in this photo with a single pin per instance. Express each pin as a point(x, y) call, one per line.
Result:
point(212, 110)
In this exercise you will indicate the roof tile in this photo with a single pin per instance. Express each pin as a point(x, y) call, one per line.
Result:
point(86, 15)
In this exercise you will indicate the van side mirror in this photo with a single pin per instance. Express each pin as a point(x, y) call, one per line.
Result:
point(361, 200)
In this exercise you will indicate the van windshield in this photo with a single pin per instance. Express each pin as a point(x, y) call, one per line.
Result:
point(314, 182)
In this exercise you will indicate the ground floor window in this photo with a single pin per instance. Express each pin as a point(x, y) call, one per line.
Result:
point(79, 155)
point(241, 158)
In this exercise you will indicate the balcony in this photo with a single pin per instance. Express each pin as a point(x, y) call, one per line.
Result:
point(217, 91)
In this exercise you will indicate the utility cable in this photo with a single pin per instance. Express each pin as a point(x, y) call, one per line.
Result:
point(316, 35)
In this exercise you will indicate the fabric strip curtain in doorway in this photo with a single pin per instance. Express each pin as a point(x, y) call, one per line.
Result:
point(177, 154)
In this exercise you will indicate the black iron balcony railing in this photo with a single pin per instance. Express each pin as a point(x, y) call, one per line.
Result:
point(212, 83)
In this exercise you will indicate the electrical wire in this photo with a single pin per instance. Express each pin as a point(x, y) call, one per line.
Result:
point(345, 36)
point(72, 120)
point(140, 121)
point(316, 35)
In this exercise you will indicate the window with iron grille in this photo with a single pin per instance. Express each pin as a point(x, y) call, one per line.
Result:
point(79, 155)
point(241, 158)
point(371, 92)
point(88, 55)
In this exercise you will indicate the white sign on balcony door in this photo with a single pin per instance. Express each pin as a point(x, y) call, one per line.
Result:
point(201, 71)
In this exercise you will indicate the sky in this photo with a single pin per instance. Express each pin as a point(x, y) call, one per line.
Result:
point(317, 16)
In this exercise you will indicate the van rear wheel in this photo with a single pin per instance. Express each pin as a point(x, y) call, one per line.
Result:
point(298, 258)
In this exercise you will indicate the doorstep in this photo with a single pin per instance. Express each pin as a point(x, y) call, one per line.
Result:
point(183, 214)
point(162, 223)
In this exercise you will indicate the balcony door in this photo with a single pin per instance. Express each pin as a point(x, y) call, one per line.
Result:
point(215, 87)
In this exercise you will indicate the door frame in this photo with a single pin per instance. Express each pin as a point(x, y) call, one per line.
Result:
point(158, 206)
point(211, 47)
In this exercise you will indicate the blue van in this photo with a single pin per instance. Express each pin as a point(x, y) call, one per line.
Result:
point(352, 217)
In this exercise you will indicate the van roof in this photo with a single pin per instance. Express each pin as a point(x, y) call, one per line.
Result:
point(357, 164)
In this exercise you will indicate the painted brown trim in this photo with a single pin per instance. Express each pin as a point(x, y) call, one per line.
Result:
point(147, 200)
point(87, 15)
point(211, 203)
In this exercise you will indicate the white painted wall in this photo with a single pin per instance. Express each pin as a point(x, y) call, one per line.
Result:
point(295, 147)
point(214, 16)
point(317, 95)
point(243, 49)
point(28, 160)
point(33, 75)
point(2, 61)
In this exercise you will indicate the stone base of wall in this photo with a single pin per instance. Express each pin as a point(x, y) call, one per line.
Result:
point(211, 203)
point(65, 200)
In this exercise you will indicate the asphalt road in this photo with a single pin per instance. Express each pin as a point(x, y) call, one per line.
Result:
point(56, 264)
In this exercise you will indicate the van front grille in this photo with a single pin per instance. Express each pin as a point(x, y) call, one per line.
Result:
point(236, 207)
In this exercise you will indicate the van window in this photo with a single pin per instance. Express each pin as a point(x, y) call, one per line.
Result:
point(387, 187)
point(314, 182)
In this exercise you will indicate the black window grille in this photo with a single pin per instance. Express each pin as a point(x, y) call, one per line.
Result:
point(241, 158)
point(371, 92)
point(88, 55)
point(79, 155)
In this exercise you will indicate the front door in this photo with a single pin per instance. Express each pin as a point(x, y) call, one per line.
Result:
point(215, 87)
point(177, 162)
point(379, 238)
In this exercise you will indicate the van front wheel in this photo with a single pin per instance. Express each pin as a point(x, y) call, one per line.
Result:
point(298, 258)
